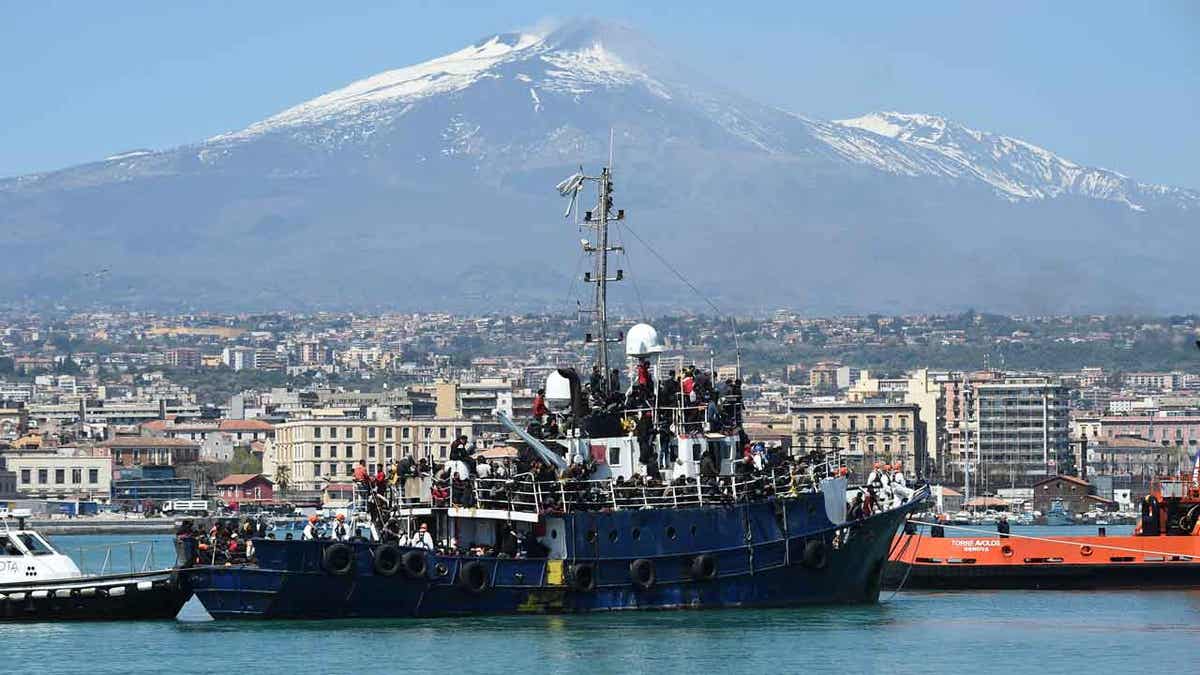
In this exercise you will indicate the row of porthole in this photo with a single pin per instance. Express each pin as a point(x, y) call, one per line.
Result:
point(614, 536)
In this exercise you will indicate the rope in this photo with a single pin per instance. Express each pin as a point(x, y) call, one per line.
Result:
point(909, 568)
point(674, 271)
point(992, 533)
point(632, 277)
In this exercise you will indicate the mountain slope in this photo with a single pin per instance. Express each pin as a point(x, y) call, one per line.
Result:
point(427, 185)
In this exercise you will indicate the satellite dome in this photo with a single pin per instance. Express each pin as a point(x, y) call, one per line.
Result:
point(558, 391)
point(642, 340)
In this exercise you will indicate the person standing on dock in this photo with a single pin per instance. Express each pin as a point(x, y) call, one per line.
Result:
point(1002, 527)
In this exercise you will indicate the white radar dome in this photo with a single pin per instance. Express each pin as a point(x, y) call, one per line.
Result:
point(558, 391)
point(642, 340)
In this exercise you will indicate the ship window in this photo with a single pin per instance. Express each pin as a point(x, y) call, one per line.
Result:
point(692, 529)
point(637, 534)
point(591, 536)
point(554, 534)
point(614, 456)
point(613, 536)
point(35, 545)
point(671, 534)
point(8, 548)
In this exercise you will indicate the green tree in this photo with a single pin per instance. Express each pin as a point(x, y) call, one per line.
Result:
point(244, 461)
point(283, 478)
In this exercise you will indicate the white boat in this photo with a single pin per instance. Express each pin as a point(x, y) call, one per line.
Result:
point(38, 583)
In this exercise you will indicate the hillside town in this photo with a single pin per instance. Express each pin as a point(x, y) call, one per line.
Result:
point(134, 410)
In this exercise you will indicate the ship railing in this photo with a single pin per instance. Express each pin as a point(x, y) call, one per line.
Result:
point(118, 558)
point(689, 418)
point(523, 494)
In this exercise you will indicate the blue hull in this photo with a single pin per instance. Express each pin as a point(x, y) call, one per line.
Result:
point(775, 553)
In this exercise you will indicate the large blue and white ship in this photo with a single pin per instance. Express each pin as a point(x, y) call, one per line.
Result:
point(647, 498)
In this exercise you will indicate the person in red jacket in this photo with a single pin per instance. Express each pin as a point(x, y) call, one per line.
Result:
point(540, 410)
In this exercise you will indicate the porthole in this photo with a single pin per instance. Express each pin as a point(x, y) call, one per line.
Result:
point(637, 534)
point(441, 569)
point(613, 536)
point(671, 533)
point(554, 534)
point(591, 536)
point(692, 529)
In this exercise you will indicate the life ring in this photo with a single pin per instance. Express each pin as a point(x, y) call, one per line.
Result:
point(338, 559)
point(815, 555)
point(641, 571)
point(473, 577)
point(387, 560)
point(1007, 551)
point(583, 578)
point(1085, 550)
point(415, 565)
point(704, 567)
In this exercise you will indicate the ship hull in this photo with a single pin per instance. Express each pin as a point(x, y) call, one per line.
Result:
point(845, 567)
point(148, 595)
point(1043, 576)
point(992, 561)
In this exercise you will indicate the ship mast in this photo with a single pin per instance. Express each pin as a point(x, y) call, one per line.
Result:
point(598, 219)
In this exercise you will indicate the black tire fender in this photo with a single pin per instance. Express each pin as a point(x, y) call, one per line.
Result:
point(704, 567)
point(473, 577)
point(816, 555)
point(641, 571)
point(338, 559)
point(414, 564)
point(387, 560)
point(583, 577)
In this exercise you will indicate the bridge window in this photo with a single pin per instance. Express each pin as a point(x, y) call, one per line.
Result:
point(7, 547)
point(614, 456)
point(35, 545)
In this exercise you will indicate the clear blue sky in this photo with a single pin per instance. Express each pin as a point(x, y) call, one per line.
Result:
point(1112, 84)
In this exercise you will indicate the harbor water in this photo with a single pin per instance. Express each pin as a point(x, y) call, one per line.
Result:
point(970, 632)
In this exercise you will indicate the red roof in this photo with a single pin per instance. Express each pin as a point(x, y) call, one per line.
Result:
point(337, 486)
point(241, 478)
point(245, 425)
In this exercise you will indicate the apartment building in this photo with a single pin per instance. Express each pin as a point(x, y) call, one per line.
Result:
point(316, 451)
point(1024, 430)
point(60, 473)
point(865, 432)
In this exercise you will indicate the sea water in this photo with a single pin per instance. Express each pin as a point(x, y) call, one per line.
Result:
point(910, 632)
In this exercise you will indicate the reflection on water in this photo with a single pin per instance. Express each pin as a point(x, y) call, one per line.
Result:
point(975, 633)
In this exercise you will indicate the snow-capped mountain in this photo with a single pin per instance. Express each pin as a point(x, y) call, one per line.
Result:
point(366, 189)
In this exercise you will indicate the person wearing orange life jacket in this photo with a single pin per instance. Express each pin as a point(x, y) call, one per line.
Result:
point(340, 532)
point(311, 530)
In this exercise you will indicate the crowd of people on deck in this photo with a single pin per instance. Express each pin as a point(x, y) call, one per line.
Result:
point(689, 400)
point(886, 487)
point(224, 541)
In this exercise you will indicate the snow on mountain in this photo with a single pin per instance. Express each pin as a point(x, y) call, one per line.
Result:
point(918, 144)
point(447, 159)
point(583, 57)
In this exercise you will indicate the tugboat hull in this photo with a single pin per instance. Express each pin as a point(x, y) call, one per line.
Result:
point(148, 595)
point(826, 565)
point(1045, 576)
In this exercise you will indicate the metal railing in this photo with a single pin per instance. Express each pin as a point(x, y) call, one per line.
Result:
point(522, 493)
point(118, 558)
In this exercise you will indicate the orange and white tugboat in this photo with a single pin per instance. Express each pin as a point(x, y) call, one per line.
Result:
point(1163, 551)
